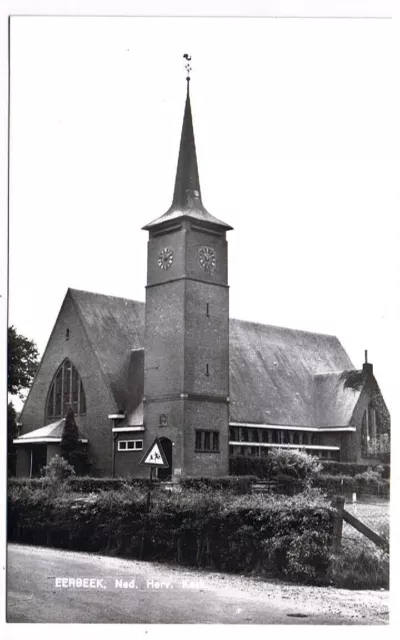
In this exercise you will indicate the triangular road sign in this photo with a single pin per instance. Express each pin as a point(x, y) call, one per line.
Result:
point(155, 456)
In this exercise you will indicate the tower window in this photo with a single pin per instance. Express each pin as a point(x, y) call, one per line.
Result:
point(207, 441)
point(207, 370)
point(66, 390)
point(208, 310)
point(67, 334)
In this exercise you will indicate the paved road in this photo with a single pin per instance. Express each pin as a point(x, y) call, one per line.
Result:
point(49, 585)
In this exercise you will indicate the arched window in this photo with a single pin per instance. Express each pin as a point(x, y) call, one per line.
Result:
point(66, 389)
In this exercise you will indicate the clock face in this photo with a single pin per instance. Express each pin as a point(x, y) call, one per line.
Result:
point(165, 258)
point(207, 259)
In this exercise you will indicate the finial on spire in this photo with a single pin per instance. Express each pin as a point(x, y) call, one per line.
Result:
point(187, 65)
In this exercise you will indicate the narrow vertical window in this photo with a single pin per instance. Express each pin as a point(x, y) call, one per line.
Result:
point(208, 310)
point(50, 404)
point(82, 407)
point(207, 370)
point(58, 386)
point(67, 334)
point(198, 441)
point(66, 386)
point(215, 441)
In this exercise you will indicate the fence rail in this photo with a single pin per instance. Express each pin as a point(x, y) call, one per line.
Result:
point(342, 515)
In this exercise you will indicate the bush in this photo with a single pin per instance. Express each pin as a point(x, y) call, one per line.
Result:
point(362, 484)
point(214, 529)
point(294, 464)
point(360, 568)
point(236, 484)
point(58, 469)
point(279, 463)
point(86, 484)
point(332, 467)
point(371, 476)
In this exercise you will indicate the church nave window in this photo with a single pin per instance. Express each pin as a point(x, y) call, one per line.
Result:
point(66, 390)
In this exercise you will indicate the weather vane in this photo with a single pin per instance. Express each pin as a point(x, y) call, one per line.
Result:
point(187, 65)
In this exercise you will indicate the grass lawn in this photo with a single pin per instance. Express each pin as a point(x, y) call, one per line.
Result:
point(374, 514)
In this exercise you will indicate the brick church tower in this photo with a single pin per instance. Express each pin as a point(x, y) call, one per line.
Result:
point(186, 366)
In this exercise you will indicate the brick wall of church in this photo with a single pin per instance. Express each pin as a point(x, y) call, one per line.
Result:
point(99, 401)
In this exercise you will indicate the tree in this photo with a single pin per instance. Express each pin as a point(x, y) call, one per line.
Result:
point(12, 432)
point(72, 450)
point(70, 435)
point(22, 362)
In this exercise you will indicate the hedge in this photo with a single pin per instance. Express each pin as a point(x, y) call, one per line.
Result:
point(86, 484)
point(261, 467)
point(334, 484)
point(290, 463)
point(237, 484)
point(260, 534)
point(332, 467)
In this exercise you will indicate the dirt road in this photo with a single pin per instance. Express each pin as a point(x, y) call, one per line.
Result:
point(49, 585)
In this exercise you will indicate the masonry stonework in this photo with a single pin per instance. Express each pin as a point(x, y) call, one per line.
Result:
point(95, 424)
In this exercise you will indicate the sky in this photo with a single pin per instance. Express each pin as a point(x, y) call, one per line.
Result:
point(294, 132)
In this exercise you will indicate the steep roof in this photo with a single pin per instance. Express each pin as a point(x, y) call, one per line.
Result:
point(277, 375)
point(115, 327)
point(334, 399)
point(272, 372)
point(187, 195)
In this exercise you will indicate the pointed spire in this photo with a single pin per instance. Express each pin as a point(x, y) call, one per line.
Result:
point(186, 201)
point(187, 184)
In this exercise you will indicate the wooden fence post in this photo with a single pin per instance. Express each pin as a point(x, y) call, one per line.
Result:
point(338, 504)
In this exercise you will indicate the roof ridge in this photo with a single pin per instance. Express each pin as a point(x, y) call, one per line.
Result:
point(259, 324)
point(104, 295)
point(275, 326)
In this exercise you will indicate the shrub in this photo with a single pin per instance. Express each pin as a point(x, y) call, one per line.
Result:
point(249, 466)
point(285, 464)
point(236, 484)
point(214, 529)
point(370, 476)
point(58, 469)
point(358, 567)
point(294, 464)
point(361, 484)
point(332, 467)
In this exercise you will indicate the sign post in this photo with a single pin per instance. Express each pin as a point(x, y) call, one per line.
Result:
point(153, 458)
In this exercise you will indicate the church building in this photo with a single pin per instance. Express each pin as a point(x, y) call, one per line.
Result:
point(177, 367)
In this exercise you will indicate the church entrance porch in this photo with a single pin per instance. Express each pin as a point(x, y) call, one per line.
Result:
point(165, 474)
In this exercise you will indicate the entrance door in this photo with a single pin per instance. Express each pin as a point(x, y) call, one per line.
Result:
point(38, 459)
point(165, 474)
